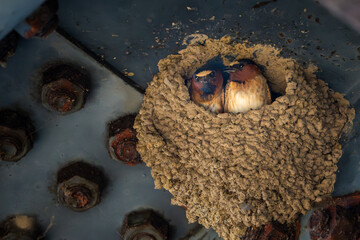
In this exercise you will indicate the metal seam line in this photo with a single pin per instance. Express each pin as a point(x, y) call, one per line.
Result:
point(98, 59)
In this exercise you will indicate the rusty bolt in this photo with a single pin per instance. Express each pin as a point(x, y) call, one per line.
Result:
point(43, 20)
point(79, 186)
point(122, 140)
point(7, 47)
point(144, 225)
point(16, 135)
point(20, 227)
point(338, 220)
point(349, 201)
point(64, 88)
point(274, 231)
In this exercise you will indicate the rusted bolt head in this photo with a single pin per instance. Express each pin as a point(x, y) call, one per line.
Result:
point(144, 225)
point(333, 222)
point(122, 140)
point(20, 227)
point(43, 20)
point(16, 135)
point(79, 186)
point(64, 88)
point(61, 96)
point(78, 194)
point(351, 200)
point(122, 147)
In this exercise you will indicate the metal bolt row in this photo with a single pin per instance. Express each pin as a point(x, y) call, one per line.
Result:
point(138, 225)
point(64, 89)
point(79, 188)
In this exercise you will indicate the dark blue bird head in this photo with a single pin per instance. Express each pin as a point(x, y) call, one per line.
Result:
point(207, 82)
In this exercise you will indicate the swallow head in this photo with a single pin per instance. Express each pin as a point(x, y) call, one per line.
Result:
point(246, 87)
point(243, 70)
point(207, 83)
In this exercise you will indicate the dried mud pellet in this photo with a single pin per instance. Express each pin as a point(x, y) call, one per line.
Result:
point(20, 227)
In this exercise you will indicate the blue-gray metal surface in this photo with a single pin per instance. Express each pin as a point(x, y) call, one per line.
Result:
point(26, 187)
point(346, 10)
point(136, 34)
point(133, 36)
point(12, 12)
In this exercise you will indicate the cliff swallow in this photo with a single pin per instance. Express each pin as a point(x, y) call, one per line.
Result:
point(246, 88)
point(206, 89)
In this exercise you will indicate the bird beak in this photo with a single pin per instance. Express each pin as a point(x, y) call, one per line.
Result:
point(229, 70)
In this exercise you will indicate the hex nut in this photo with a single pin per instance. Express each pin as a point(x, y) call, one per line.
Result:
point(122, 140)
point(64, 88)
point(43, 20)
point(16, 135)
point(79, 186)
point(20, 227)
point(144, 225)
point(7, 47)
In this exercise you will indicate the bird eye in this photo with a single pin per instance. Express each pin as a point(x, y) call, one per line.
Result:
point(212, 74)
point(196, 78)
point(239, 66)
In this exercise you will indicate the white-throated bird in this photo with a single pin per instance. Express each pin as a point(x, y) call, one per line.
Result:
point(246, 88)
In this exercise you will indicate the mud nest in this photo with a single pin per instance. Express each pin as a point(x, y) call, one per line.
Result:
point(232, 171)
